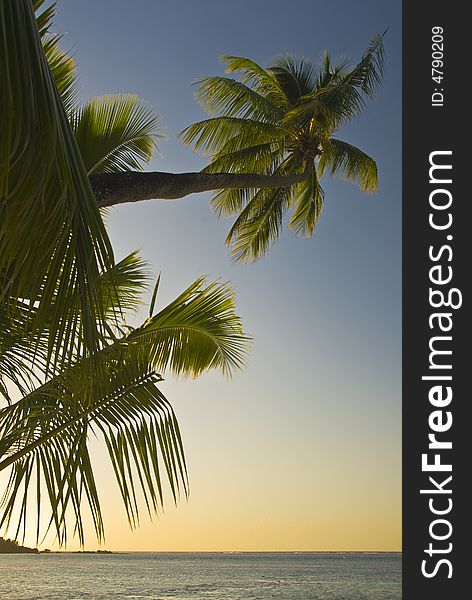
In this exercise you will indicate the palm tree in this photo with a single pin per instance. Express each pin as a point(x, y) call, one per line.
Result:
point(271, 136)
point(282, 122)
point(64, 342)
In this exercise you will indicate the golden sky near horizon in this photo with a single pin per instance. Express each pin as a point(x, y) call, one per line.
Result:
point(255, 494)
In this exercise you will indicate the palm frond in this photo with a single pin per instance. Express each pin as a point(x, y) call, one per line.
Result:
point(329, 72)
point(63, 70)
point(198, 331)
point(44, 436)
point(23, 364)
point(116, 133)
point(44, 18)
point(258, 158)
point(212, 135)
point(295, 75)
point(260, 79)
point(346, 93)
point(307, 108)
point(227, 203)
point(309, 198)
point(62, 65)
point(234, 99)
point(52, 238)
point(123, 284)
point(259, 224)
point(48, 431)
point(347, 161)
point(371, 67)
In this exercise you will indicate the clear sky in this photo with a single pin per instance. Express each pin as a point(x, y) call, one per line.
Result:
point(301, 451)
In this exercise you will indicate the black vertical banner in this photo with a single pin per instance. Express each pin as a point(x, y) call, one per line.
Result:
point(437, 438)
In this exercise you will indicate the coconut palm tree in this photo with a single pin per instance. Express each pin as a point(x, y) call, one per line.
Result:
point(64, 344)
point(282, 122)
point(271, 136)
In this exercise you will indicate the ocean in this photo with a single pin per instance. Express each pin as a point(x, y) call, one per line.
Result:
point(201, 576)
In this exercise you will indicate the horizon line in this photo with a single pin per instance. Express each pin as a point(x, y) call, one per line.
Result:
point(233, 551)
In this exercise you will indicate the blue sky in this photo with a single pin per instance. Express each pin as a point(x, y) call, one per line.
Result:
point(302, 450)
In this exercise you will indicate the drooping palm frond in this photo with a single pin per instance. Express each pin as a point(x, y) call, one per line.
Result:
point(230, 202)
point(279, 116)
point(44, 436)
point(24, 365)
point(52, 238)
point(47, 433)
point(260, 222)
point(310, 199)
point(254, 234)
point(114, 133)
point(17, 354)
point(347, 161)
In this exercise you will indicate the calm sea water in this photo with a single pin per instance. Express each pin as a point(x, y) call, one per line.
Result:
point(201, 576)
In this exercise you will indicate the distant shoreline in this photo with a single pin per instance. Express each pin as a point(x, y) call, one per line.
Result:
point(223, 552)
point(8, 546)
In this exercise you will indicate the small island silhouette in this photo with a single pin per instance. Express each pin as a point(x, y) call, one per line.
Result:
point(13, 547)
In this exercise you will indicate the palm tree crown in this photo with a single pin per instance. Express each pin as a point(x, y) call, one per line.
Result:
point(283, 121)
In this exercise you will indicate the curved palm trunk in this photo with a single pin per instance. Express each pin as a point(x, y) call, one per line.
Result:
point(134, 186)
